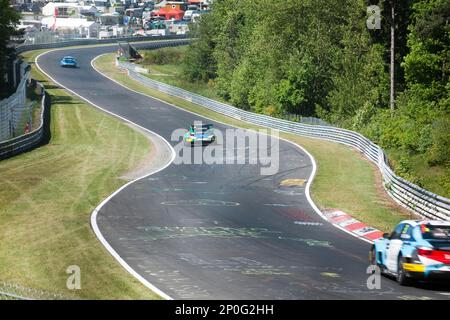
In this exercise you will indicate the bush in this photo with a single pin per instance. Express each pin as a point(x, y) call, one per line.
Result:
point(164, 56)
point(440, 136)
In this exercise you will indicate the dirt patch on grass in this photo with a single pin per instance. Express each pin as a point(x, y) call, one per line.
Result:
point(160, 154)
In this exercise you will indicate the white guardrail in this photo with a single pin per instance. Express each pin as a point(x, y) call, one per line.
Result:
point(422, 202)
point(83, 42)
point(30, 140)
point(11, 109)
point(27, 141)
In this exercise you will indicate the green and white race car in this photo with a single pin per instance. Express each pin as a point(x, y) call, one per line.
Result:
point(199, 134)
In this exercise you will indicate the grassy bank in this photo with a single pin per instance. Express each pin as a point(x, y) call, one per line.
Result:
point(47, 196)
point(345, 180)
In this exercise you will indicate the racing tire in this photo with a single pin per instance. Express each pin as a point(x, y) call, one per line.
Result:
point(372, 256)
point(373, 260)
point(401, 278)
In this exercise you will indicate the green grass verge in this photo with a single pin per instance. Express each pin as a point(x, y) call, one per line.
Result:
point(47, 196)
point(433, 178)
point(345, 180)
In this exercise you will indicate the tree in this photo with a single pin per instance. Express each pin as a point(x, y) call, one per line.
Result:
point(8, 19)
point(198, 62)
point(427, 70)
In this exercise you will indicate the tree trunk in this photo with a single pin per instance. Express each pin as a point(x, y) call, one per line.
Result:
point(392, 66)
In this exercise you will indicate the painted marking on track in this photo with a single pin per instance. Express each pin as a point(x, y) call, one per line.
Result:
point(193, 221)
point(201, 202)
point(241, 265)
point(168, 189)
point(164, 233)
point(330, 274)
point(276, 205)
point(288, 192)
point(158, 233)
point(407, 297)
point(262, 271)
point(309, 242)
point(173, 175)
point(308, 223)
point(293, 183)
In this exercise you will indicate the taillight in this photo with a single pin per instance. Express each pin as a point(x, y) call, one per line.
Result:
point(424, 251)
point(438, 255)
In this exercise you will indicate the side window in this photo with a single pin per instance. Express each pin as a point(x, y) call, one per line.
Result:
point(397, 231)
point(406, 233)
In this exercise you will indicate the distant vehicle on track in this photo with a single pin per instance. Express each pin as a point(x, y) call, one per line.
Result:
point(415, 250)
point(199, 134)
point(68, 61)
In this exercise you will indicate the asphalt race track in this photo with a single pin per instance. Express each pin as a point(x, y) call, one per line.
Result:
point(222, 231)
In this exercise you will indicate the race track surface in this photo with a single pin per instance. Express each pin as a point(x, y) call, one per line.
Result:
point(222, 231)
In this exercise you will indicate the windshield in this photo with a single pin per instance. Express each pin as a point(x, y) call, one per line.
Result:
point(202, 128)
point(434, 232)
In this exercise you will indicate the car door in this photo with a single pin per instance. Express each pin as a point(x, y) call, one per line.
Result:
point(393, 248)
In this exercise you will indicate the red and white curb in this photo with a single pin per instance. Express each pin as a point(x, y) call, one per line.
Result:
point(351, 225)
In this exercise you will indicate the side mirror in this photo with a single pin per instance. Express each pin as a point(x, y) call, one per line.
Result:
point(386, 235)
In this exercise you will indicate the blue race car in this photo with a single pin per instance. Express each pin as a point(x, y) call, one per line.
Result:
point(199, 134)
point(68, 61)
point(414, 250)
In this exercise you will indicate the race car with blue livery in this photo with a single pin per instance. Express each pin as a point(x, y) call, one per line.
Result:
point(415, 250)
point(199, 134)
point(68, 61)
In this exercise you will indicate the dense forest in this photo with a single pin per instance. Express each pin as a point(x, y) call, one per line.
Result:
point(319, 58)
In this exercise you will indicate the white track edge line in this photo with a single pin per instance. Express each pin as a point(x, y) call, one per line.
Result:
point(93, 219)
point(310, 179)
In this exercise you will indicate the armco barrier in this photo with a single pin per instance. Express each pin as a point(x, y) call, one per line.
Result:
point(30, 140)
point(422, 202)
point(83, 42)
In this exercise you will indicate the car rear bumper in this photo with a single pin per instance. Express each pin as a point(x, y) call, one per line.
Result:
point(200, 140)
point(421, 272)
